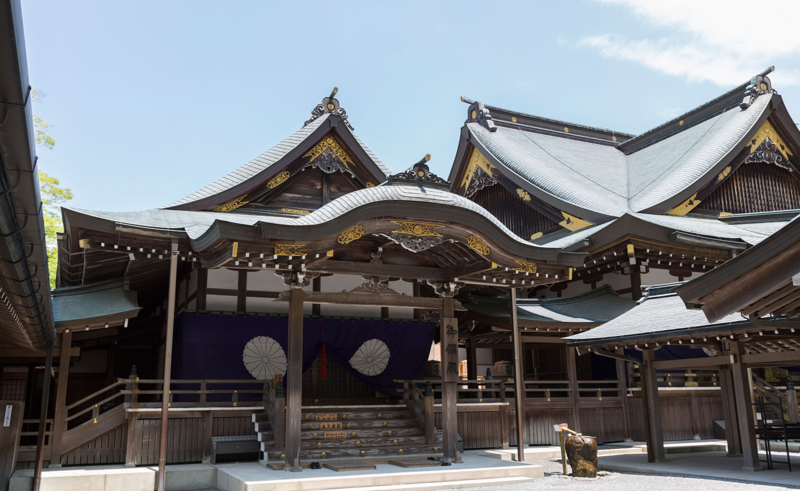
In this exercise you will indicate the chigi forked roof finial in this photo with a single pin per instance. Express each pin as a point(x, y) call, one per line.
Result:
point(329, 105)
point(419, 174)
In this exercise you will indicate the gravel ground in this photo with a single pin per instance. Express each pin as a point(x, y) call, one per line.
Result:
point(623, 481)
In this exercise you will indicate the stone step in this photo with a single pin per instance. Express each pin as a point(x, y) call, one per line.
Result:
point(345, 415)
point(363, 442)
point(356, 452)
point(365, 432)
point(488, 483)
point(359, 424)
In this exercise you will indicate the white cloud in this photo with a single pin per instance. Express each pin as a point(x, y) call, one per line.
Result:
point(724, 42)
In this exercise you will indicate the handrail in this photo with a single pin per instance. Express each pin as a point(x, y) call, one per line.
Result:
point(92, 396)
point(93, 407)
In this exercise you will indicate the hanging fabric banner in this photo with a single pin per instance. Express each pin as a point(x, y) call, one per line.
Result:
point(244, 347)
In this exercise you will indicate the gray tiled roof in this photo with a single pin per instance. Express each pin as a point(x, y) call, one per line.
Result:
point(751, 233)
point(599, 305)
point(600, 178)
point(255, 166)
point(267, 159)
point(654, 315)
point(93, 302)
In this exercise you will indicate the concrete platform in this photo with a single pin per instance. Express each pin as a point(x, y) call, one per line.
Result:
point(543, 452)
point(475, 470)
point(704, 464)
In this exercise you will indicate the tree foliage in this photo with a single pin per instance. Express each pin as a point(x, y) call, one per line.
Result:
point(53, 195)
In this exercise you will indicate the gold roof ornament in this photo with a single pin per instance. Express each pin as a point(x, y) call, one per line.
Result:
point(684, 208)
point(478, 245)
point(417, 229)
point(279, 179)
point(289, 250)
point(353, 233)
point(328, 143)
point(573, 223)
point(523, 194)
point(232, 205)
point(526, 267)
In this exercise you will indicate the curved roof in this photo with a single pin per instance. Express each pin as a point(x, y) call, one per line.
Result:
point(594, 177)
point(364, 204)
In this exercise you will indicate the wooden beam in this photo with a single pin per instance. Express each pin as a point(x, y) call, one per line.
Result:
point(241, 290)
point(708, 362)
point(6, 353)
point(392, 270)
point(369, 300)
point(777, 358)
point(230, 292)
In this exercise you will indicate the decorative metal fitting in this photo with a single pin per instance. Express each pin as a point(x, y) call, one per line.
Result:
point(344, 416)
point(308, 416)
point(379, 415)
point(311, 427)
point(319, 444)
point(428, 390)
point(385, 424)
point(400, 451)
point(358, 443)
point(394, 442)
point(323, 455)
point(363, 453)
point(353, 434)
point(389, 434)
point(349, 425)
point(283, 456)
point(315, 435)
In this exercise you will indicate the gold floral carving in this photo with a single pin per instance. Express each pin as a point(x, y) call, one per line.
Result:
point(329, 143)
point(767, 131)
point(725, 172)
point(295, 210)
point(370, 185)
point(353, 233)
point(417, 229)
point(536, 235)
point(523, 194)
point(232, 205)
point(526, 267)
point(476, 161)
point(685, 207)
point(289, 250)
point(278, 180)
point(479, 245)
point(573, 223)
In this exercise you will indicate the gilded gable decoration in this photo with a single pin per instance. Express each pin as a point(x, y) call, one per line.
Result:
point(768, 147)
point(478, 175)
point(478, 244)
point(289, 250)
point(329, 156)
point(278, 179)
point(353, 233)
point(295, 211)
point(685, 207)
point(725, 173)
point(526, 267)
point(416, 237)
point(573, 223)
point(524, 195)
point(232, 205)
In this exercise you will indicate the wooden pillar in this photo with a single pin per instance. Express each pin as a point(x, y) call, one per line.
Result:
point(59, 426)
point(294, 380)
point(572, 376)
point(519, 378)
point(162, 452)
point(744, 409)
point(208, 433)
point(622, 378)
point(316, 285)
point(636, 282)
point(132, 437)
point(729, 413)
point(241, 292)
point(415, 293)
point(448, 333)
point(655, 436)
point(37, 475)
point(791, 400)
point(202, 288)
point(472, 359)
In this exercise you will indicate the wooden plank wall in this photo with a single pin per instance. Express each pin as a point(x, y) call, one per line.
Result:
point(676, 416)
point(108, 448)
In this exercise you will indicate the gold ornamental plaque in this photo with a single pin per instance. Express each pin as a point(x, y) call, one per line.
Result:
point(330, 426)
point(325, 416)
point(335, 435)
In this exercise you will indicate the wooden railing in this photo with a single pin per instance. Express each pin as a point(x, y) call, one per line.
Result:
point(140, 398)
point(775, 397)
point(421, 404)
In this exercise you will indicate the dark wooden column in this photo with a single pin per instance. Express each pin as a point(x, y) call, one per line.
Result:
point(572, 375)
point(472, 359)
point(519, 378)
point(294, 379)
point(744, 409)
point(58, 428)
point(316, 285)
point(202, 288)
point(415, 292)
point(162, 452)
point(241, 292)
point(622, 378)
point(652, 403)
point(37, 473)
point(729, 412)
point(636, 282)
point(448, 333)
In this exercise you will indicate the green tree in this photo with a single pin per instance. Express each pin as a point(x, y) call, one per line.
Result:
point(52, 192)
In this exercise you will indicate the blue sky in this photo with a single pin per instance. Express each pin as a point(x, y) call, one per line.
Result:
point(152, 100)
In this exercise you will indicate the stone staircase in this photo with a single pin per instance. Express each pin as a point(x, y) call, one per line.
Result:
point(369, 433)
